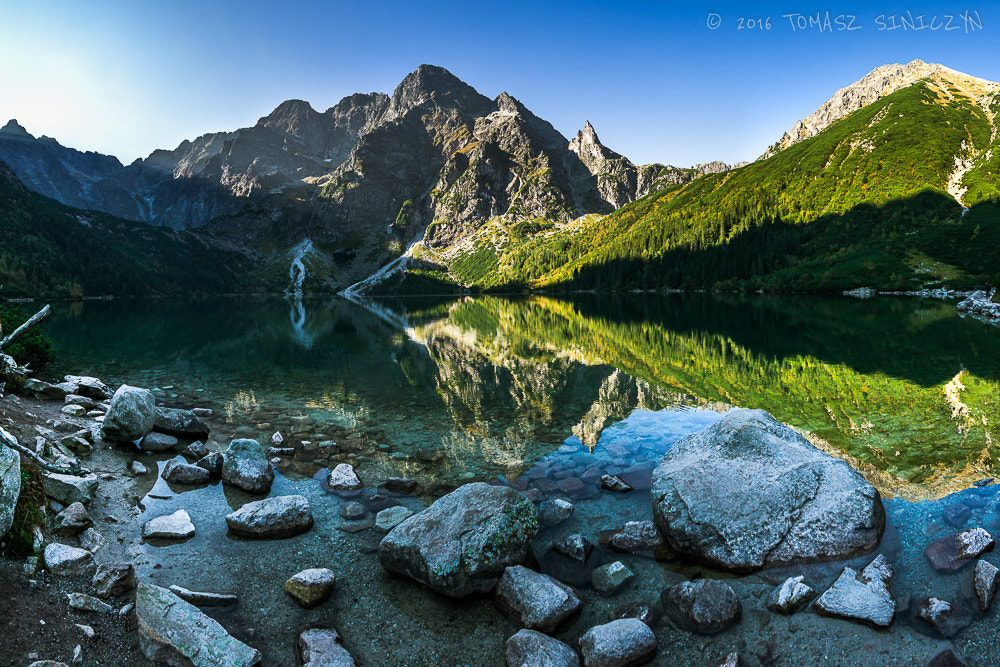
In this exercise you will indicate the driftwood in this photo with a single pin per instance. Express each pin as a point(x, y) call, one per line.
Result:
point(21, 330)
point(11, 441)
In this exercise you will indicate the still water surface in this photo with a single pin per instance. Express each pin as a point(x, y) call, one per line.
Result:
point(548, 395)
point(451, 391)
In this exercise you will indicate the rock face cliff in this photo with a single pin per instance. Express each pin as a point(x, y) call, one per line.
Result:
point(872, 87)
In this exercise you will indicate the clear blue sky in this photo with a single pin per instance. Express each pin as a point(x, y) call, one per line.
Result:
point(658, 84)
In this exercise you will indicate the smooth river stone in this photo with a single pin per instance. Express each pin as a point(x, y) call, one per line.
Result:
point(280, 516)
point(172, 526)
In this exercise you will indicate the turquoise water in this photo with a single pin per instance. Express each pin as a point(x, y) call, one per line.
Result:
point(535, 392)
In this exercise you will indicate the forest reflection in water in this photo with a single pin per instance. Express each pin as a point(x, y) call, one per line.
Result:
point(451, 390)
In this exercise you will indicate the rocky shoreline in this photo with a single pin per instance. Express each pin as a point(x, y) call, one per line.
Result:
point(530, 562)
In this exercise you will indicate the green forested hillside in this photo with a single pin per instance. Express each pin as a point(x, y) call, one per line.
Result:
point(51, 250)
point(866, 202)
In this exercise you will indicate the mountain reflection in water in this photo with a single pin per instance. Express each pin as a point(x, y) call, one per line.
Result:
point(474, 388)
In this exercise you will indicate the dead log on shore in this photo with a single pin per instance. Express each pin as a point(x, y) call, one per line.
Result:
point(24, 328)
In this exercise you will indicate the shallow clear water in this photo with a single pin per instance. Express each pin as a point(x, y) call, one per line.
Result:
point(547, 395)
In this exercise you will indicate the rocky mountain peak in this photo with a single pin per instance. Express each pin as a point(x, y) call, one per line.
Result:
point(875, 85)
point(591, 151)
point(436, 88)
point(585, 137)
point(14, 129)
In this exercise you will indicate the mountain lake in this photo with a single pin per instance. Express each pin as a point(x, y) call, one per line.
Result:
point(528, 392)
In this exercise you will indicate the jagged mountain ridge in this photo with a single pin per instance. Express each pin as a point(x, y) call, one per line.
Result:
point(900, 194)
point(363, 179)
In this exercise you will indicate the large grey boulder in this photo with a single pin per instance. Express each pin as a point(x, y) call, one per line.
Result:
point(130, 416)
point(463, 542)
point(246, 466)
point(280, 516)
point(184, 423)
point(749, 493)
point(10, 481)
point(537, 601)
point(529, 648)
point(176, 633)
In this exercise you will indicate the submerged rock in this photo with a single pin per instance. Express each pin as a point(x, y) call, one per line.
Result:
point(731, 660)
point(245, 465)
point(280, 516)
point(986, 581)
point(320, 647)
point(749, 492)
point(463, 542)
point(941, 618)
point(946, 658)
point(175, 632)
point(617, 644)
point(705, 606)
point(954, 552)
point(391, 517)
point(400, 485)
point(608, 579)
point(130, 416)
point(866, 597)
point(536, 601)
point(555, 511)
point(529, 648)
point(311, 587)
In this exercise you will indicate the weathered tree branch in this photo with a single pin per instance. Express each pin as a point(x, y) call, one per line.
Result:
point(21, 330)
point(11, 442)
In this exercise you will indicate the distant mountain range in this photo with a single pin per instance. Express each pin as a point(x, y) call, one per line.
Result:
point(360, 181)
point(438, 188)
